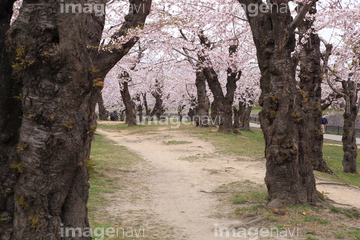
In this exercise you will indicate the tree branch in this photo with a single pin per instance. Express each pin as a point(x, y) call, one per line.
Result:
point(105, 60)
point(299, 18)
point(190, 58)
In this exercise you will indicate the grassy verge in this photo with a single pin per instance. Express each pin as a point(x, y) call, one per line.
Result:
point(249, 144)
point(106, 182)
point(117, 180)
point(248, 200)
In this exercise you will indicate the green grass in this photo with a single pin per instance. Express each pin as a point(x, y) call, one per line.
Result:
point(109, 159)
point(333, 156)
point(249, 144)
point(335, 209)
point(354, 234)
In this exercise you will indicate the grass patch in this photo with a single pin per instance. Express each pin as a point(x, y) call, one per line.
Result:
point(333, 155)
point(335, 209)
point(110, 159)
point(249, 144)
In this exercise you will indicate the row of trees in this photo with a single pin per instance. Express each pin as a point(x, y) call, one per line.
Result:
point(53, 66)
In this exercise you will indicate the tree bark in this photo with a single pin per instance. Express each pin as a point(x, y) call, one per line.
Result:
point(348, 138)
point(130, 109)
point(289, 176)
point(55, 68)
point(310, 85)
point(158, 109)
point(215, 113)
point(236, 111)
point(222, 102)
point(10, 123)
point(103, 113)
point(202, 113)
point(245, 118)
point(147, 109)
point(57, 120)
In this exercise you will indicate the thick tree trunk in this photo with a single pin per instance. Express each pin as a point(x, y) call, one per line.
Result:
point(10, 123)
point(222, 102)
point(129, 104)
point(57, 121)
point(53, 62)
point(310, 85)
point(289, 176)
point(103, 113)
point(215, 113)
point(348, 138)
point(202, 108)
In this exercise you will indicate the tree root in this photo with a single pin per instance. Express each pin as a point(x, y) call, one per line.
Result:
point(251, 222)
point(339, 184)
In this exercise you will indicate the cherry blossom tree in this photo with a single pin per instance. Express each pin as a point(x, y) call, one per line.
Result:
point(58, 65)
point(342, 73)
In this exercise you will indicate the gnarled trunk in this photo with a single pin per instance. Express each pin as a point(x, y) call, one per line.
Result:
point(245, 117)
point(222, 102)
point(103, 113)
point(10, 123)
point(310, 85)
point(158, 109)
point(348, 138)
point(289, 176)
point(236, 111)
point(215, 113)
point(202, 108)
point(54, 65)
point(57, 120)
point(129, 104)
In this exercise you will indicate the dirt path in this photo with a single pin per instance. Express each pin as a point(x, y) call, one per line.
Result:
point(180, 173)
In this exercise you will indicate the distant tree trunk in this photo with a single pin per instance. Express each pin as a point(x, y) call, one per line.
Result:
point(236, 124)
point(180, 109)
point(103, 113)
point(215, 113)
point(140, 112)
point(129, 104)
point(122, 115)
point(348, 138)
point(147, 109)
point(202, 114)
point(158, 109)
point(222, 101)
point(116, 115)
point(245, 117)
point(289, 173)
